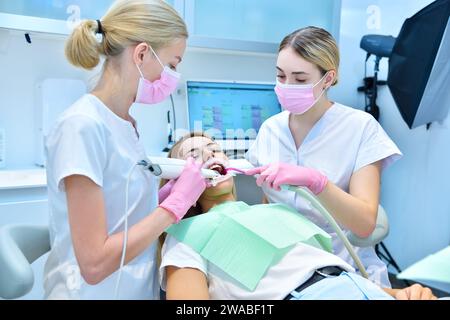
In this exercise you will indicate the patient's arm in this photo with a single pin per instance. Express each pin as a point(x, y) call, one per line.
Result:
point(414, 292)
point(264, 200)
point(186, 284)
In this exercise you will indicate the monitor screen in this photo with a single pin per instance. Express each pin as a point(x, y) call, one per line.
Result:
point(230, 110)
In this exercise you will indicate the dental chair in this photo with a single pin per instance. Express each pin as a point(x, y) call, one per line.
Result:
point(378, 235)
point(20, 246)
point(376, 239)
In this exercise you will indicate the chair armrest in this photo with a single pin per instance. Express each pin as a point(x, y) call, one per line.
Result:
point(381, 232)
point(19, 246)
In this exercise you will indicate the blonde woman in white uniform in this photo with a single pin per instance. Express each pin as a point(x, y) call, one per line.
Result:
point(94, 148)
point(336, 151)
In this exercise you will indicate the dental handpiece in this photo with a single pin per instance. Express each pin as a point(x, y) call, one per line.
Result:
point(234, 171)
point(169, 168)
point(174, 171)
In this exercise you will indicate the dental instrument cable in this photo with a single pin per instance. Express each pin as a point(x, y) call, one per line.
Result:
point(156, 170)
point(125, 235)
point(324, 212)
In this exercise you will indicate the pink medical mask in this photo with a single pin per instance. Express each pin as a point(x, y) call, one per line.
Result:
point(155, 92)
point(295, 98)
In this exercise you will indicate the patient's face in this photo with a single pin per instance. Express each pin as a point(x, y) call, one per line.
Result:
point(208, 152)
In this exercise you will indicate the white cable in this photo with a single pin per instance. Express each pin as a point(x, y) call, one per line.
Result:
point(316, 204)
point(125, 235)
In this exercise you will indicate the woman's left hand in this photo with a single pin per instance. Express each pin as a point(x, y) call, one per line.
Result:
point(415, 292)
point(277, 174)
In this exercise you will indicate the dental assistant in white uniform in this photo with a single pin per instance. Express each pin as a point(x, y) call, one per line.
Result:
point(336, 151)
point(94, 148)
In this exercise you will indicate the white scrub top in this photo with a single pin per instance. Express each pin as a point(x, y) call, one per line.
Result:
point(343, 141)
point(90, 140)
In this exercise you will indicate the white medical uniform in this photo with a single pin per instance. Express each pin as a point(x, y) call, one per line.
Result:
point(343, 141)
point(90, 140)
point(293, 269)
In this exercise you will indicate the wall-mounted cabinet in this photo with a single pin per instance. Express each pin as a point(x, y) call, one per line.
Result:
point(255, 25)
point(49, 16)
point(250, 25)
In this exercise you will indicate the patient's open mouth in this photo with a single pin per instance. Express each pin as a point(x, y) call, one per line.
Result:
point(218, 165)
point(219, 168)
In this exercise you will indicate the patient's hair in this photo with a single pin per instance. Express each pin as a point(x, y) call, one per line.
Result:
point(316, 46)
point(176, 147)
point(127, 22)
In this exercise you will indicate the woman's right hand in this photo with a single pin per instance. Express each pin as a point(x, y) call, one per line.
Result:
point(186, 190)
point(276, 174)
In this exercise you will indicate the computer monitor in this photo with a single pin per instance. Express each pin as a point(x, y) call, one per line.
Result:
point(230, 110)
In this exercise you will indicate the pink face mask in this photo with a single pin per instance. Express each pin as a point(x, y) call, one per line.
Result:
point(155, 92)
point(295, 98)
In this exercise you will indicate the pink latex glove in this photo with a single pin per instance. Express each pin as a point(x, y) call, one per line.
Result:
point(186, 190)
point(277, 174)
point(165, 190)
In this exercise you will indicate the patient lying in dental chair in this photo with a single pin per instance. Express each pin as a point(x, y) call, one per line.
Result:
point(230, 254)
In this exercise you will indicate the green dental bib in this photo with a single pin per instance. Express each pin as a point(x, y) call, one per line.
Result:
point(245, 241)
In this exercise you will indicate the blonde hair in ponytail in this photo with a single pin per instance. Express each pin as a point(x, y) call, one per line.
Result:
point(127, 22)
point(82, 47)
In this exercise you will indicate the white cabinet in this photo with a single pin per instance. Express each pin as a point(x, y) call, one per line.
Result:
point(255, 25)
point(57, 10)
point(55, 16)
point(49, 16)
point(242, 25)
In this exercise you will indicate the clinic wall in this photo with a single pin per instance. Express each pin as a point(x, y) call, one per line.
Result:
point(415, 189)
point(22, 67)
